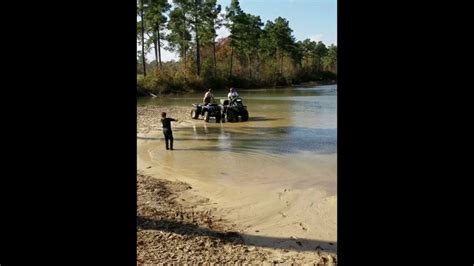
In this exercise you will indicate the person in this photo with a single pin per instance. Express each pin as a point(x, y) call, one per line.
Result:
point(232, 94)
point(208, 97)
point(167, 130)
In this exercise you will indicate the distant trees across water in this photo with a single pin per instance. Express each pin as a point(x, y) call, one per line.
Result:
point(253, 55)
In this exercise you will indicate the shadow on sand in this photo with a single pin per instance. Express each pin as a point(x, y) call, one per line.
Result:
point(300, 244)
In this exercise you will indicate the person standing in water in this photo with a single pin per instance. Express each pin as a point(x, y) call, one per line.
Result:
point(167, 130)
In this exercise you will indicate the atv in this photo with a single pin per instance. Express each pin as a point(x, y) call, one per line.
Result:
point(207, 111)
point(233, 109)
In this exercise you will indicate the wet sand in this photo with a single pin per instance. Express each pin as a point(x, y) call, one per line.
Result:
point(256, 195)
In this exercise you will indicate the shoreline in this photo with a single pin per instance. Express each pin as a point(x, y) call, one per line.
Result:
point(141, 93)
point(172, 229)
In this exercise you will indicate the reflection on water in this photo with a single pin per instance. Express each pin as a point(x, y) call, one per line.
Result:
point(279, 140)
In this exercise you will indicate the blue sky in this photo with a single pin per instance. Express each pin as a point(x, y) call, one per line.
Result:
point(313, 19)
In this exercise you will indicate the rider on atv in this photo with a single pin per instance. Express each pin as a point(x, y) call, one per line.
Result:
point(232, 94)
point(208, 97)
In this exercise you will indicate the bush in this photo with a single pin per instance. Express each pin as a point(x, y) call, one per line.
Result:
point(328, 75)
point(280, 80)
point(141, 91)
point(171, 79)
point(160, 83)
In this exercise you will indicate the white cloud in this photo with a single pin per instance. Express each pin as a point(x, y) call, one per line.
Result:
point(168, 56)
point(165, 54)
point(316, 37)
point(222, 32)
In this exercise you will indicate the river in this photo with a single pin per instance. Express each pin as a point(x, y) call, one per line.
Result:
point(288, 144)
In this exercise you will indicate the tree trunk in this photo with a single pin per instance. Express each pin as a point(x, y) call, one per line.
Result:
point(143, 39)
point(281, 65)
point(156, 52)
point(314, 66)
point(231, 57)
point(184, 45)
point(319, 63)
point(198, 55)
point(184, 52)
point(214, 57)
point(159, 44)
point(277, 58)
point(257, 70)
point(196, 30)
point(249, 63)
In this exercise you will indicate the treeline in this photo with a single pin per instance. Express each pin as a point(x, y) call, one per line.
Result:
point(253, 55)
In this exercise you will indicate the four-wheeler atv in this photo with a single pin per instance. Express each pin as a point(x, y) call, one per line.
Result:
point(207, 111)
point(233, 109)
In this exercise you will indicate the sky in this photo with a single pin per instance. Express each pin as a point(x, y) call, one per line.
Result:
point(313, 19)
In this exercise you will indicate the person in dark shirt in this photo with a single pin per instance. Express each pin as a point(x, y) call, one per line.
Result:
point(167, 130)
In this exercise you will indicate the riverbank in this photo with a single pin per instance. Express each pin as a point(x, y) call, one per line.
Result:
point(256, 222)
point(172, 230)
point(144, 90)
point(315, 83)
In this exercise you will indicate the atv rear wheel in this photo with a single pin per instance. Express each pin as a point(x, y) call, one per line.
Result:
point(245, 115)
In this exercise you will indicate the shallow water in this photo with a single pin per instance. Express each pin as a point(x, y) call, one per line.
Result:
point(290, 140)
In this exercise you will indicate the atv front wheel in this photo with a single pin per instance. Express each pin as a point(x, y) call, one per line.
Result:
point(194, 114)
point(230, 116)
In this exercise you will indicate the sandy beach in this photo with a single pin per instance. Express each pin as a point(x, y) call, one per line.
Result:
point(233, 220)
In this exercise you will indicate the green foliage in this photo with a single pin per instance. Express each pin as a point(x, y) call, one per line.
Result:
point(179, 37)
point(330, 61)
point(254, 55)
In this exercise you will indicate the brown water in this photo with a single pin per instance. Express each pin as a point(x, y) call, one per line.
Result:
point(290, 140)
